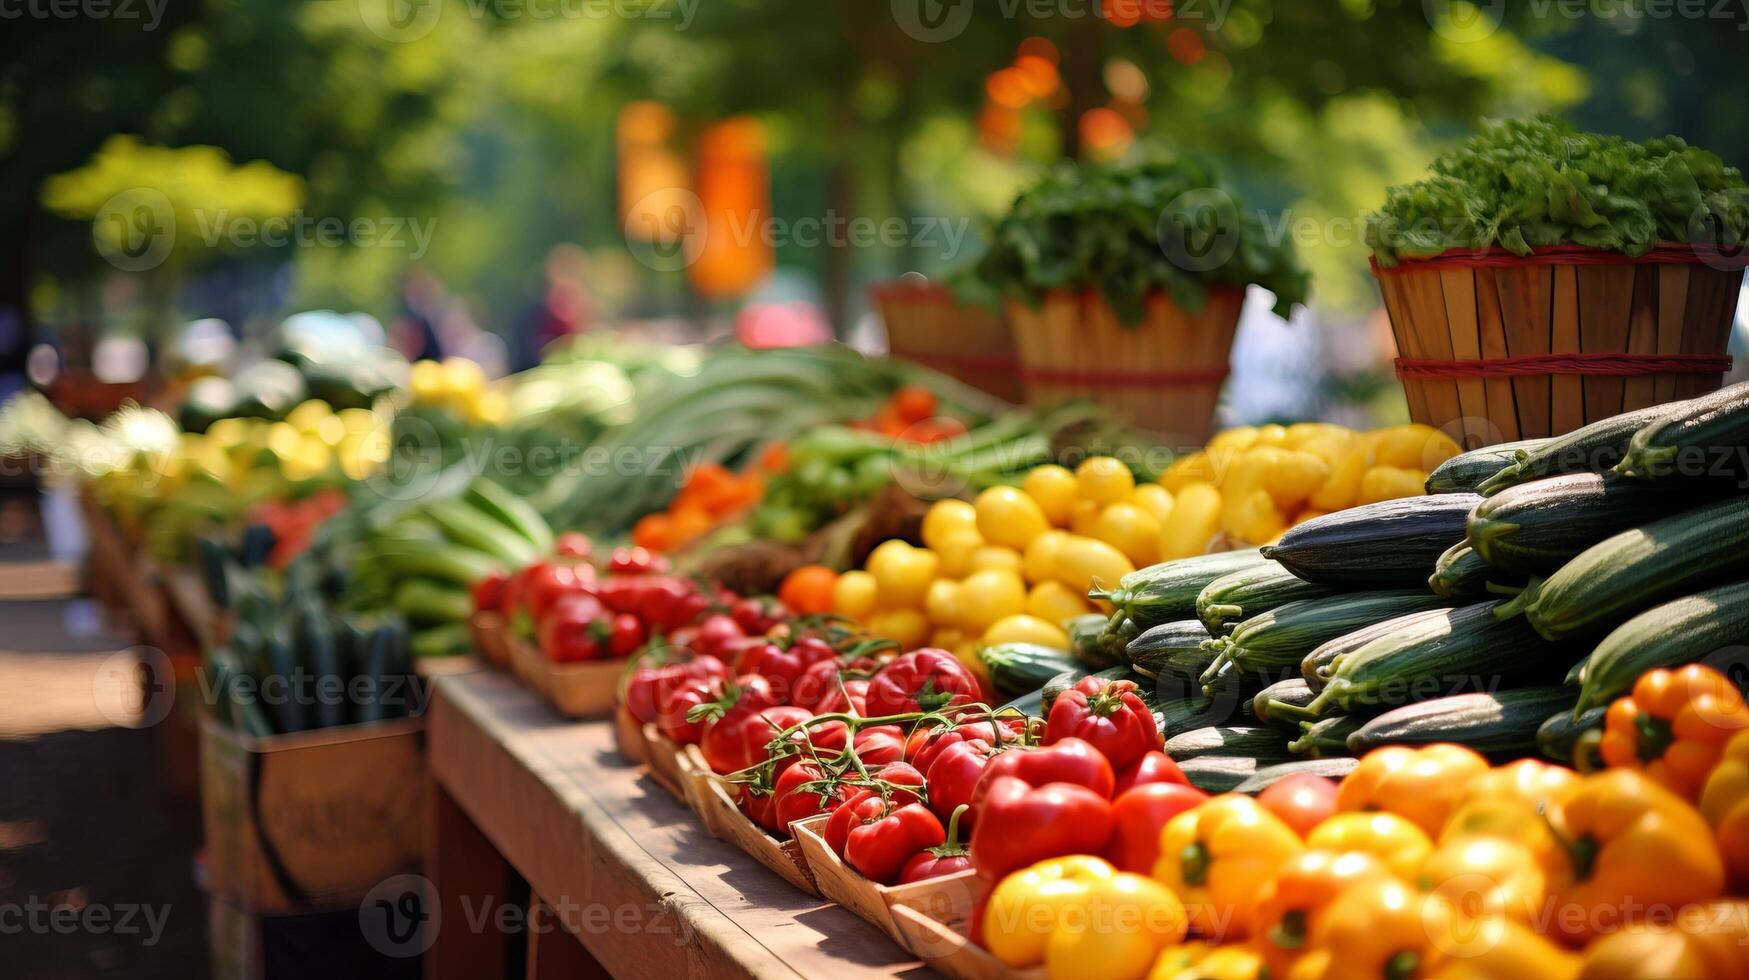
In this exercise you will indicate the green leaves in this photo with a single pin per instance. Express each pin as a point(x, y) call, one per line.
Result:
point(1169, 226)
point(1529, 183)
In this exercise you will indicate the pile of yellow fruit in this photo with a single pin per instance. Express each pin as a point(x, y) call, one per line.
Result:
point(459, 385)
point(1259, 481)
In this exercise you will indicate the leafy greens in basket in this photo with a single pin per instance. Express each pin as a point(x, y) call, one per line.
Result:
point(1529, 183)
point(1130, 231)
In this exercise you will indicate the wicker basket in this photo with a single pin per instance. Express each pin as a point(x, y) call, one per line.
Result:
point(1163, 374)
point(1497, 347)
point(927, 325)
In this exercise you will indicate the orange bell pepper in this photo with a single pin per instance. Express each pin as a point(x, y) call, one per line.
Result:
point(1420, 784)
point(1294, 903)
point(1705, 942)
point(1218, 856)
point(1487, 876)
point(1383, 928)
point(1725, 804)
point(1508, 802)
point(1396, 842)
point(1634, 849)
point(1674, 725)
point(1505, 949)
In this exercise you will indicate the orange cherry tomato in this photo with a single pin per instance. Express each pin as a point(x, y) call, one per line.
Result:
point(808, 589)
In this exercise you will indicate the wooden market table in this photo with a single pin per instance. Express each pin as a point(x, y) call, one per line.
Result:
point(636, 879)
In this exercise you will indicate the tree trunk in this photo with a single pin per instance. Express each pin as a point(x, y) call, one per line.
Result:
point(1083, 52)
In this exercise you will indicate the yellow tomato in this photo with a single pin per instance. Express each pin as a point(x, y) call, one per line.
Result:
point(1039, 560)
point(990, 595)
point(1008, 517)
point(1389, 483)
point(1339, 491)
point(941, 603)
point(1414, 447)
point(1155, 499)
point(1293, 477)
point(425, 379)
point(1054, 489)
point(1185, 470)
point(462, 378)
point(992, 556)
point(1271, 435)
point(945, 517)
point(1023, 628)
point(1131, 530)
point(1054, 602)
point(1084, 517)
point(906, 627)
point(1252, 517)
point(1196, 517)
point(1301, 434)
point(957, 550)
point(903, 573)
point(1235, 440)
point(947, 639)
point(1308, 515)
point(1083, 562)
point(308, 415)
point(1104, 480)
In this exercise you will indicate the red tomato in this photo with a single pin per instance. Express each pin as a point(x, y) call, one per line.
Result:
point(1302, 800)
point(922, 680)
point(1108, 714)
point(953, 775)
point(1138, 815)
point(675, 706)
point(898, 774)
point(736, 738)
point(884, 835)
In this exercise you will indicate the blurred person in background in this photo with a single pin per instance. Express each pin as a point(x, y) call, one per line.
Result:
point(565, 307)
point(423, 300)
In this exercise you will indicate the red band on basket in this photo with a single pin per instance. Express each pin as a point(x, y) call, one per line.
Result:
point(1664, 253)
point(1127, 379)
point(965, 362)
point(1609, 365)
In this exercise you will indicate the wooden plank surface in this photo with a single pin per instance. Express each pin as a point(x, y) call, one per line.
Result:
point(629, 870)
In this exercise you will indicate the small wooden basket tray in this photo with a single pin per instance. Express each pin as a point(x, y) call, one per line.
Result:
point(580, 690)
point(716, 807)
point(946, 898)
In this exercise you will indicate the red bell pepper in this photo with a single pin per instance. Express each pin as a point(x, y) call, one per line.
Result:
point(1108, 714)
point(1155, 767)
point(897, 776)
point(1137, 816)
point(1020, 824)
point(1068, 761)
point(734, 733)
point(953, 775)
point(885, 834)
point(574, 629)
point(949, 857)
point(922, 680)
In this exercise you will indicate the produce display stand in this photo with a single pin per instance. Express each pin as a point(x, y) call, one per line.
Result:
point(122, 577)
point(927, 325)
point(943, 899)
point(627, 869)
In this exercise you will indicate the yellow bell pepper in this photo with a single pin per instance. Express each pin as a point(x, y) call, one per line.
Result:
point(1080, 917)
point(1633, 848)
point(1293, 904)
point(1174, 960)
point(1508, 802)
point(1504, 949)
point(1383, 928)
point(1218, 856)
point(1487, 876)
point(1233, 962)
point(1705, 942)
point(1420, 784)
point(1396, 842)
point(1725, 804)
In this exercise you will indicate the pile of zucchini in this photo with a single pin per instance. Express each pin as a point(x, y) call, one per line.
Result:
point(1504, 611)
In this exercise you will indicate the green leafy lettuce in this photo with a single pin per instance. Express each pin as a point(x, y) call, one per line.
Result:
point(1169, 225)
point(1527, 183)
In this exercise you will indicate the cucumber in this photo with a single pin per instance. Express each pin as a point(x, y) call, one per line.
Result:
point(1293, 691)
point(1218, 773)
point(1167, 591)
point(1465, 472)
point(444, 640)
point(1562, 738)
point(376, 667)
point(1032, 705)
point(1427, 654)
point(440, 560)
point(1316, 666)
point(511, 511)
point(1593, 448)
point(1017, 668)
point(1264, 744)
point(1256, 590)
point(1499, 724)
point(1460, 573)
point(1325, 738)
point(215, 570)
point(423, 600)
point(257, 544)
point(1085, 638)
point(1614, 579)
point(1678, 632)
point(1392, 543)
point(1702, 437)
point(466, 526)
point(1533, 528)
point(1067, 679)
point(1262, 779)
point(1284, 635)
point(1171, 648)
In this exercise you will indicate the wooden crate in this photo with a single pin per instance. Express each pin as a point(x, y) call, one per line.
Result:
point(946, 948)
point(490, 631)
point(938, 898)
point(662, 755)
point(312, 819)
point(714, 801)
point(579, 690)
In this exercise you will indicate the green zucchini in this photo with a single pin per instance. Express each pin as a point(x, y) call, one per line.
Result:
point(1460, 573)
point(511, 511)
point(1017, 668)
point(1281, 637)
point(1265, 744)
point(1032, 705)
point(1068, 678)
point(1181, 707)
point(1636, 569)
point(215, 568)
point(1562, 737)
point(444, 560)
point(375, 667)
point(257, 544)
point(1218, 773)
point(1426, 655)
point(1392, 543)
point(1326, 737)
point(1593, 448)
point(1533, 528)
point(1576, 673)
point(1256, 590)
point(1171, 648)
point(1315, 668)
point(423, 600)
point(1167, 591)
point(1703, 437)
point(1499, 724)
point(1293, 691)
point(1465, 472)
point(1084, 637)
point(1106, 648)
point(1330, 768)
point(442, 640)
point(466, 526)
point(1679, 632)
